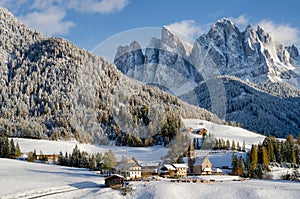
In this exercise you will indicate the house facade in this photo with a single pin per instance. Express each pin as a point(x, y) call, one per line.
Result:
point(114, 181)
point(202, 166)
point(181, 170)
point(131, 169)
point(135, 171)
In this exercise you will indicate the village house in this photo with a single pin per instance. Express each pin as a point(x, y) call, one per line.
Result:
point(150, 168)
point(174, 170)
point(49, 158)
point(114, 181)
point(168, 171)
point(181, 170)
point(131, 169)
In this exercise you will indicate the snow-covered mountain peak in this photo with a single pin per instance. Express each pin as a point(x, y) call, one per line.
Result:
point(263, 35)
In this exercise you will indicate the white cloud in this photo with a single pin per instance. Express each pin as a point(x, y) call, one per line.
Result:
point(42, 4)
point(240, 20)
point(281, 33)
point(12, 5)
point(94, 6)
point(49, 21)
point(48, 16)
point(187, 28)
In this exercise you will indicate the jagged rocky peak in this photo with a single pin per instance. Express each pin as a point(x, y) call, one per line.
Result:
point(225, 27)
point(171, 41)
point(128, 57)
point(263, 35)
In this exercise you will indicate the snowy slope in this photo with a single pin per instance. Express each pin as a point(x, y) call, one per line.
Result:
point(227, 132)
point(144, 154)
point(246, 189)
point(29, 180)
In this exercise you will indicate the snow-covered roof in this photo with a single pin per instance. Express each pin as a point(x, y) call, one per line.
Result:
point(207, 169)
point(180, 166)
point(149, 164)
point(199, 161)
point(169, 167)
point(114, 175)
point(218, 170)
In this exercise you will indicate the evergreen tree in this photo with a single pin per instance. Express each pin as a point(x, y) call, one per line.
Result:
point(233, 148)
point(31, 157)
point(6, 149)
point(254, 156)
point(18, 151)
point(12, 149)
point(271, 152)
point(277, 153)
point(265, 157)
point(109, 160)
point(298, 139)
point(238, 147)
point(227, 146)
point(244, 146)
point(92, 162)
point(293, 155)
point(282, 149)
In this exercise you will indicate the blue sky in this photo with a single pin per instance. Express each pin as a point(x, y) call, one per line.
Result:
point(89, 22)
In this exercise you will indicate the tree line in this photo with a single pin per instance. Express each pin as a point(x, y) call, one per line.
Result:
point(8, 149)
point(271, 152)
point(82, 159)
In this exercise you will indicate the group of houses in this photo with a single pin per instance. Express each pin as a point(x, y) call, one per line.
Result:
point(132, 169)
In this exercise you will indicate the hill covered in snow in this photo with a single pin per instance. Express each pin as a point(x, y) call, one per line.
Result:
point(30, 180)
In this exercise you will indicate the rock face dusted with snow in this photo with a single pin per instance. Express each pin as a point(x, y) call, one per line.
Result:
point(250, 55)
point(164, 59)
point(252, 59)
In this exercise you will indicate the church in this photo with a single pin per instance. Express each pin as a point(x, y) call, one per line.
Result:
point(198, 165)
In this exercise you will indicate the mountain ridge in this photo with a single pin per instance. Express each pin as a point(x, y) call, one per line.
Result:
point(224, 52)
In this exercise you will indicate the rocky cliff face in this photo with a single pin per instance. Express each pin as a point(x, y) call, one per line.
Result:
point(53, 89)
point(251, 56)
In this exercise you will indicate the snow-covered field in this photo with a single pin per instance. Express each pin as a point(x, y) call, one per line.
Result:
point(227, 132)
point(20, 179)
point(144, 154)
point(233, 189)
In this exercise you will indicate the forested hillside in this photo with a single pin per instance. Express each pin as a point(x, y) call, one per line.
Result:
point(52, 89)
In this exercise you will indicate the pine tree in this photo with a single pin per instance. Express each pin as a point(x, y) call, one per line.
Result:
point(6, 149)
point(271, 152)
point(12, 149)
point(92, 162)
point(109, 160)
point(227, 146)
point(254, 156)
point(265, 157)
point(282, 149)
point(298, 139)
point(244, 146)
point(233, 148)
point(293, 155)
point(18, 151)
point(238, 147)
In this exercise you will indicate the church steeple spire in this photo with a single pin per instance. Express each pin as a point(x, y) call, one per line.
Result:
point(191, 156)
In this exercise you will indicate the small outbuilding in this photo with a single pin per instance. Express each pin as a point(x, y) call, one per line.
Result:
point(114, 181)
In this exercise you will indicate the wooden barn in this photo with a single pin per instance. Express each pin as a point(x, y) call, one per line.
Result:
point(114, 181)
